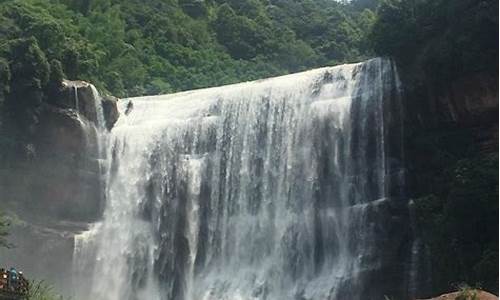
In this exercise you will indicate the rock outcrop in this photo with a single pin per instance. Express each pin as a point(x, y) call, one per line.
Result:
point(84, 98)
point(470, 295)
point(55, 188)
point(111, 114)
point(450, 126)
point(61, 175)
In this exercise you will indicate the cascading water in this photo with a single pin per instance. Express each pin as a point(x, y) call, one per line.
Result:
point(96, 138)
point(75, 93)
point(285, 188)
point(99, 111)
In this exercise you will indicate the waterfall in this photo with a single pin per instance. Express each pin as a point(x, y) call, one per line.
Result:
point(96, 141)
point(75, 93)
point(100, 122)
point(100, 130)
point(284, 188)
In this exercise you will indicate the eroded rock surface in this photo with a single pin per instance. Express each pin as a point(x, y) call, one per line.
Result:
point(54, 186)
point(479, 295)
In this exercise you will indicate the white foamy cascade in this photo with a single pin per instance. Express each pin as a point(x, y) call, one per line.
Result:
point(75, 94)
point(100, 122)
point(273, 189)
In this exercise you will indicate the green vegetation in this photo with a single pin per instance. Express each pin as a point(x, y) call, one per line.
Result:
point(444, 39)
point(39, 290)
point(172, 45)
point(458, 210)
point(467, 293)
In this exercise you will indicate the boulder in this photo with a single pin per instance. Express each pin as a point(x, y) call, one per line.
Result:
point(80, 96)
point(84, 98)
point(109, 104)
point(467, 295)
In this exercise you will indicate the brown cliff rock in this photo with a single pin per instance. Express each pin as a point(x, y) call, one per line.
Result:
point(480, 295)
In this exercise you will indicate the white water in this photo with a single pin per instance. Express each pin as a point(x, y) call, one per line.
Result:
point(100, 122)
point(75, 93)
point(270, 189)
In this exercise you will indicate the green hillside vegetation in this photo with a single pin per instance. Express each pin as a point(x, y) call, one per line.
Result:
point(438, 40)
point(132, 47)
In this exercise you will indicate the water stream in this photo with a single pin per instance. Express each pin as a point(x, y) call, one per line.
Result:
point(284, 188)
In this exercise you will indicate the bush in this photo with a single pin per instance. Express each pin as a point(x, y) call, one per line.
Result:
point(40, 290)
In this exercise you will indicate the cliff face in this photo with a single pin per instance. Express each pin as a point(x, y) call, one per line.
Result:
point(53, 185)
point(472, 100)
point(58, 177)
point(452, 155)
point(467, 101)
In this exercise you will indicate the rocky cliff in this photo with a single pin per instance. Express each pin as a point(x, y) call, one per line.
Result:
point(452, 154)
point(52, 187)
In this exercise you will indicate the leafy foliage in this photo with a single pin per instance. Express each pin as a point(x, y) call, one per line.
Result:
point(467, 293)
point(40, 290)
point(176, 45)
point(458, 222)
point(446, 38)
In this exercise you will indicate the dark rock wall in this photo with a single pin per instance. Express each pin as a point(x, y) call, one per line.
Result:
point(53, 187)
point(59, 176)
point(451, 146)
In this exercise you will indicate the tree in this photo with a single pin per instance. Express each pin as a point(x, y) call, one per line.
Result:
point(56, 73)
point(95, 39)
point(28, 64)
point(395, 30)
point(194, 8)
point(238, 34)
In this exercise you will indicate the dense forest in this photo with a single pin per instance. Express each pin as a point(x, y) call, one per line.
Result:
point(146, 47)
point(169, 46)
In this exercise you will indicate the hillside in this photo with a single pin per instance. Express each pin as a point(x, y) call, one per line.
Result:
point(172, 45)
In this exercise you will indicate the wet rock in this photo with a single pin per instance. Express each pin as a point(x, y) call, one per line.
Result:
point(84, 98)
point(81, 96)
point(130, 107)
point(471, 99)
point(468, 101)
point(111, 114)
point(62, 179)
